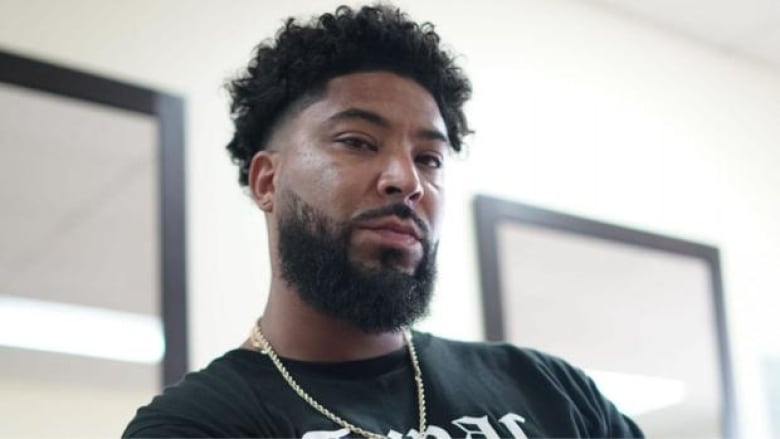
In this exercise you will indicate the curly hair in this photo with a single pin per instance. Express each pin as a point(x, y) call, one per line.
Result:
point(285, 73)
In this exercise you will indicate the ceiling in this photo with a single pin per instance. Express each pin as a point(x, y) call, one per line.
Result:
point(746, 28)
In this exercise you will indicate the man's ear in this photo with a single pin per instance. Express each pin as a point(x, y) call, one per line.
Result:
point(262, 170)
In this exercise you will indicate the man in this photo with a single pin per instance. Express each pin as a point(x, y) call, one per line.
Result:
point(343, 127)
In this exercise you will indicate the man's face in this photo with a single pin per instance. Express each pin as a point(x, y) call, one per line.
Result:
point(357, 197)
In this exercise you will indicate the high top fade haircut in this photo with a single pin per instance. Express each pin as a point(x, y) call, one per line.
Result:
point(291, 70)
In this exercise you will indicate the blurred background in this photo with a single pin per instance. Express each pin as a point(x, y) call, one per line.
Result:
point(660, 115)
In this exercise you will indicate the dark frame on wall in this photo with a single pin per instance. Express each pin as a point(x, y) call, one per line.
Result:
point(168, 110)
point(490, 212)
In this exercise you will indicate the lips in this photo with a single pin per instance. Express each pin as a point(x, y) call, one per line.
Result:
point(395, 228)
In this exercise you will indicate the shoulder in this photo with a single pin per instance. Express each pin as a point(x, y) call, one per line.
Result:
point(497, 354)
point(206, 403)
point(547, 376)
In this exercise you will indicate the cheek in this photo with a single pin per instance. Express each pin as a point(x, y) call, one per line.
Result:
point(434, 209)
point(325, 185)
point(303, 171)
point(333, 187)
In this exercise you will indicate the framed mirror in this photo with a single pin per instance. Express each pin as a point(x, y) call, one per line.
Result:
point(641, 313)
point(92, 260)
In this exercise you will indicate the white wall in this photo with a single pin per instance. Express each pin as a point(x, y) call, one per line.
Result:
point(37, 409)
point(575, 109)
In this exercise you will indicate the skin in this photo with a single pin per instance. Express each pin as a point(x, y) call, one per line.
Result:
point(373, 139)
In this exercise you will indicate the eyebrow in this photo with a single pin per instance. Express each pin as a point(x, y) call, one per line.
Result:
point(358, 113)
point(381, 121)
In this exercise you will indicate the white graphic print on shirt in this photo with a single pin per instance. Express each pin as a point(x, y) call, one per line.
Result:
point(471, 426)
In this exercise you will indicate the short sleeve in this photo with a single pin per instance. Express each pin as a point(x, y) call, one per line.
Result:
point(600, 415)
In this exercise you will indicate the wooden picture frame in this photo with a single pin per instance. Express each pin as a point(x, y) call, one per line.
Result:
point(524, 251)
point(168, 111)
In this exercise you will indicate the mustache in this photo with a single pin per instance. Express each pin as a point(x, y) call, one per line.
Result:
point(400, 210)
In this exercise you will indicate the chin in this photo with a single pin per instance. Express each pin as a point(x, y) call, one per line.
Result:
point(389, 258)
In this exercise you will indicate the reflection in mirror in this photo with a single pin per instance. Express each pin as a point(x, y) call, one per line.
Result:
point(641, 313)
point(81, 331)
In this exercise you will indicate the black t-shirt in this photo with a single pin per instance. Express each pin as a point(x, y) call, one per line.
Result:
point(485, 390)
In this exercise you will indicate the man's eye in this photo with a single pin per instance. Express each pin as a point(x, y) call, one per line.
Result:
point(357, 143)
point(430, 161)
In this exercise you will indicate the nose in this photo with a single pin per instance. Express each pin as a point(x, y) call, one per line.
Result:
point(400, 180)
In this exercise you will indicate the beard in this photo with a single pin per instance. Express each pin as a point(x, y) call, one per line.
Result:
point(314, 259)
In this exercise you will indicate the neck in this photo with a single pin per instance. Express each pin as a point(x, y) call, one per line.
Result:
point(299, 332)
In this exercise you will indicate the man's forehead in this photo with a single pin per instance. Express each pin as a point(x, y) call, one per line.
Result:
point(372, 85)
point(372, 96)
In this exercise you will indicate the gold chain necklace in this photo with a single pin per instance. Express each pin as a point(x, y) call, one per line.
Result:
point(263, 346)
